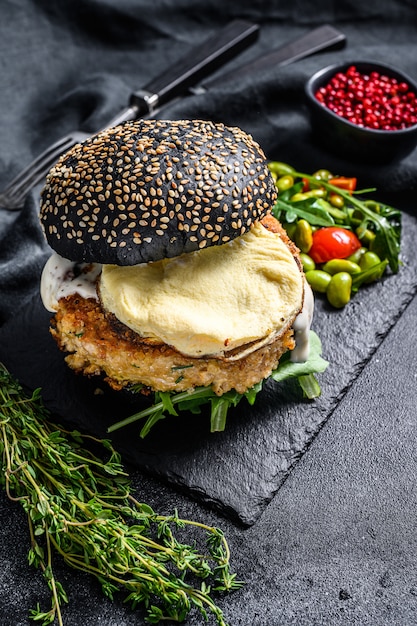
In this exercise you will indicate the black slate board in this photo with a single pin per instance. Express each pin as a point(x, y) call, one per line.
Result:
point(238, 471)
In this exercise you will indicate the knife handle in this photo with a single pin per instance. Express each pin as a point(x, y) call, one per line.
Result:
point(195, 65)
point(324, 37)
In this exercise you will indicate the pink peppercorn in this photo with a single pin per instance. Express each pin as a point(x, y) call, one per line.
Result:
point(371, 100)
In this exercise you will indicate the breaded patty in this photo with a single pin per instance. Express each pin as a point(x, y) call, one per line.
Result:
point(95, 346)
point(97, 343)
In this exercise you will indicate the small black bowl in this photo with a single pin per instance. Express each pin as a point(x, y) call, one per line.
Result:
point(349, 140)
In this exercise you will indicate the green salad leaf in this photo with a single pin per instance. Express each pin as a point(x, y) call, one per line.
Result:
point(200, 397)
point(291, 369)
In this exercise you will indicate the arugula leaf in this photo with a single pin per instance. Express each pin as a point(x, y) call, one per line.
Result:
point(369, 274)
point(199, 397)
point(251, 393)
point(291, 369)
point(167, 405)
point(309, 385)
point(218, 414)
point(310, 209)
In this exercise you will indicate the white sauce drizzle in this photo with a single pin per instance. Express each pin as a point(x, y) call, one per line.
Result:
point(61, 278)
point(301, 326)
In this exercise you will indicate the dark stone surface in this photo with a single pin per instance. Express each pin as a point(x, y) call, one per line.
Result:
point(336, 545)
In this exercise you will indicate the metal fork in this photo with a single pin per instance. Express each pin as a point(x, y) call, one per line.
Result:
point(172, 83)
point(13, 196)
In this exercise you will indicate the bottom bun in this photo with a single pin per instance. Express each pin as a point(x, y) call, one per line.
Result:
point(97, 346)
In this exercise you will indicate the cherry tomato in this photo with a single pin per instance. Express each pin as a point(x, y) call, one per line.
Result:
point(333, 242)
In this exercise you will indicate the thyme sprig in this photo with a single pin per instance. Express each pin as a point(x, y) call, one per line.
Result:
point(81, 507)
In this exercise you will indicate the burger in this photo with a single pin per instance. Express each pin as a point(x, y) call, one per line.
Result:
point(168, 269)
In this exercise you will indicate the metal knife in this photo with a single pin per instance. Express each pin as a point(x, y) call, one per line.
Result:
point(324, 37)
point(191, 68)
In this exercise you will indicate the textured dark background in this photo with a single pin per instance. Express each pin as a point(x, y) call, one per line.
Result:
point(337, 542)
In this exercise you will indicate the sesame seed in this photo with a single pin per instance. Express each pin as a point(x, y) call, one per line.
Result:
point(194, 175)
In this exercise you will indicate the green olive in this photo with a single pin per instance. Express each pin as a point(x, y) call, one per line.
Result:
point(307, 262)
point(341, 265)
point(280, 169)
point(368, 261)
point(285, 182)
point(318, 280)
point(303, 235)
point(339, 289)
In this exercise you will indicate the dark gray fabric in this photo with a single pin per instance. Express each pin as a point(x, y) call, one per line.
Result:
point(337, 544)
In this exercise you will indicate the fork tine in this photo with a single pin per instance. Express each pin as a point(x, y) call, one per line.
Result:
point(15, 193)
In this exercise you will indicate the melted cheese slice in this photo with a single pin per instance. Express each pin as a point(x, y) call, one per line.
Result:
point(211, 301)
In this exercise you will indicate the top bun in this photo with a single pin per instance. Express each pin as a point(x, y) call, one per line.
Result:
point(151, 189)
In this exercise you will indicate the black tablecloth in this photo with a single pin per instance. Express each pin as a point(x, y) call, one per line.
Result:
point(337, 543)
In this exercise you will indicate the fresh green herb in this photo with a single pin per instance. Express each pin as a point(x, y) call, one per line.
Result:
point(311, 209)
point(290, 369)
point(194, 400)
point(81, 508)
point(362, 277)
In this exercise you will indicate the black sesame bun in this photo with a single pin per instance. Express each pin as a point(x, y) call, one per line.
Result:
point(151, 189)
